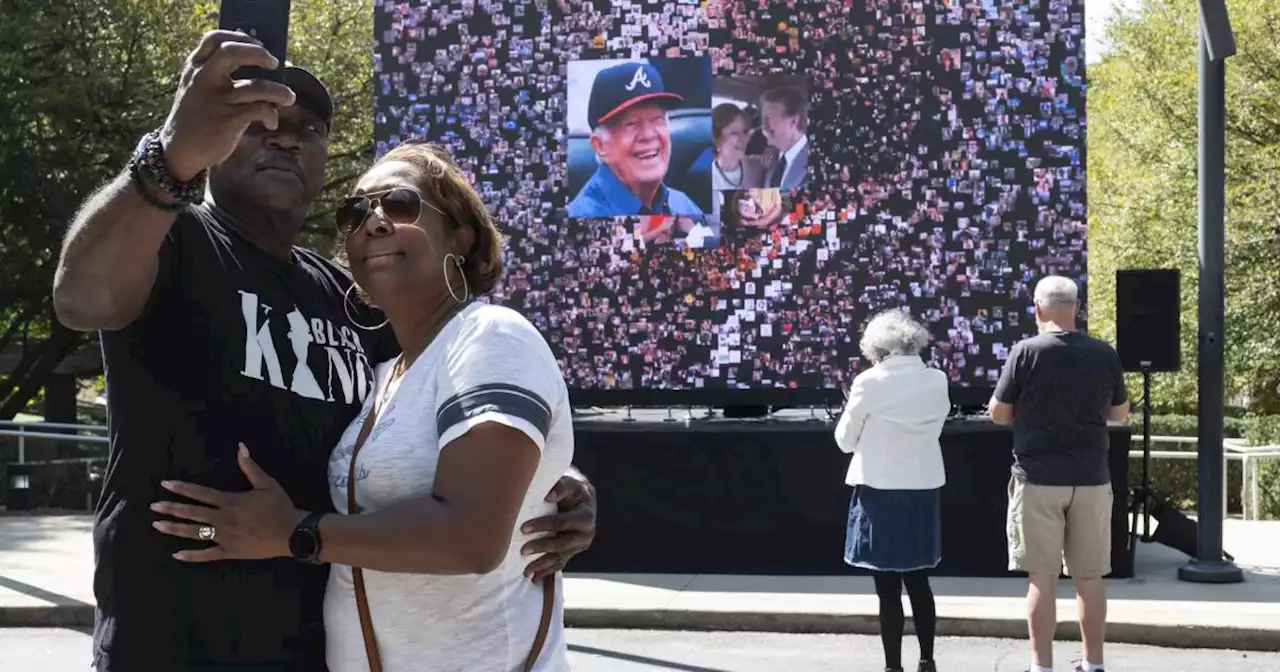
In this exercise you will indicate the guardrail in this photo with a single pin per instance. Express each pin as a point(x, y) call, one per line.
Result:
point(23, 431)
point(48, 430)
point(1235, 449)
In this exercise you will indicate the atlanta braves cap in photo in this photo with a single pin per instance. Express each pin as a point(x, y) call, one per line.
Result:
point(619, 87)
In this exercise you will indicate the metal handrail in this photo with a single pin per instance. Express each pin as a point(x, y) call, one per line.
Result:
point(53, 425)
point(1248, 456)
point(1237, 449)
point(1189, 455)
point(1228, 443)
point(31, 430)
point(51, 435)
point(68, 460)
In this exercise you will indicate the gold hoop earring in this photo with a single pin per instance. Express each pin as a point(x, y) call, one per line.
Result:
point(466, 287)
point(346, 308)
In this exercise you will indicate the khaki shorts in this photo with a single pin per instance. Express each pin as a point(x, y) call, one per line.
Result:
point(1048, 524)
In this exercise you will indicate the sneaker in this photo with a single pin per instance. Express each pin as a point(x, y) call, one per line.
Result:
point(927, 666)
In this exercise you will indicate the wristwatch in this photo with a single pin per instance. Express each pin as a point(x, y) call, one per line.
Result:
point(304, 543)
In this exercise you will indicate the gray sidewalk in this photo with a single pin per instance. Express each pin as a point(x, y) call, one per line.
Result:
point(46, 568)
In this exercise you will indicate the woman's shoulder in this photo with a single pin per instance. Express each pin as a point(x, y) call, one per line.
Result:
point(920, 371)
point(490, 318)
point(506, 345)
point(492, 326)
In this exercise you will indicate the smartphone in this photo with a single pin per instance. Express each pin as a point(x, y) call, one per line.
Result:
point(265, 20)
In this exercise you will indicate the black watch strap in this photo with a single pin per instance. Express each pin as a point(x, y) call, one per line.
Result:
point(304, 543)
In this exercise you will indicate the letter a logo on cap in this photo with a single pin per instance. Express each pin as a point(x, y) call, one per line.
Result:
point(639, 78)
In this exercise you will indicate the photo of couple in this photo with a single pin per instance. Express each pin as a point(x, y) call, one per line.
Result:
point(759, 127)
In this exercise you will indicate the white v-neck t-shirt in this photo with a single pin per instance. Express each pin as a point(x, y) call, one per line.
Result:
point(488, 364)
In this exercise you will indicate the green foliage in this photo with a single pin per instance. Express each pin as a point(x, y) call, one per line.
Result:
point(1142, 150)
point(1265, 431)
point(1185, 425)
point(334, 40)
point(80, 82)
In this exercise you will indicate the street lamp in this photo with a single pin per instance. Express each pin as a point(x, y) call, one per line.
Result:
point(1217, 44)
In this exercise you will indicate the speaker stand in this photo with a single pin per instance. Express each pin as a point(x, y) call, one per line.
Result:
point(1142, 494)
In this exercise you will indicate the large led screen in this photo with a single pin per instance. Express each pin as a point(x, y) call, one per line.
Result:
point(716, 196)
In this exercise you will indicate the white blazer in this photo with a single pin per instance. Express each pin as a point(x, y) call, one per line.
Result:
point(892, 423)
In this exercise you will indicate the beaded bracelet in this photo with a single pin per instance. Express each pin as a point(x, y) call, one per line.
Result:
point(149, 161)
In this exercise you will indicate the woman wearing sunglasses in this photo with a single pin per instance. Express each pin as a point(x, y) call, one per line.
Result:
point(461, 437)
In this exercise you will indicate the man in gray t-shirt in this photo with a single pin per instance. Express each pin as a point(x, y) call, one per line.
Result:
point(1064, 384)
point(1059, 389)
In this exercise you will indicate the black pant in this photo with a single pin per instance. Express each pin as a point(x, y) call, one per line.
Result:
point(892, 620)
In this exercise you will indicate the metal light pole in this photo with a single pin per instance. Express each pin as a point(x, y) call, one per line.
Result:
point(1216, 45)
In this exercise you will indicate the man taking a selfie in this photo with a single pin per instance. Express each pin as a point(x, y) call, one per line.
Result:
point(217, 330)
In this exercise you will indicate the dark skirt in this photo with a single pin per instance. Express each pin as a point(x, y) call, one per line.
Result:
point(894, 530)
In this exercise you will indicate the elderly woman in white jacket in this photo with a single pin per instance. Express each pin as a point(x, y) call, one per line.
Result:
point(891, 425)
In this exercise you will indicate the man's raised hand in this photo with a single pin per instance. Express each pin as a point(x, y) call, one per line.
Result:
point(211, 110)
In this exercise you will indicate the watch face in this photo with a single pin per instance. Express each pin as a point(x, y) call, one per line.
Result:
point(302, 544)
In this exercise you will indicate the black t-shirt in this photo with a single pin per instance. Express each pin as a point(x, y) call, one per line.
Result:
point(1062, 386)
point(234, 345)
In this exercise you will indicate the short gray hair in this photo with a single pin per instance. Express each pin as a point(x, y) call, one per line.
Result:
point(893, 332)
point(1055, 291)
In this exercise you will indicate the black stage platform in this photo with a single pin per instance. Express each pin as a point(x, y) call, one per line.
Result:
point(720, 496)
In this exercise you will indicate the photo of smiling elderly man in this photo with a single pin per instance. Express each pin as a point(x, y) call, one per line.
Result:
point(636, 129)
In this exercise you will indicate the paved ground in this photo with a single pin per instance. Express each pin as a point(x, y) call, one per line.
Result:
point(647, 651)
point(46, 570)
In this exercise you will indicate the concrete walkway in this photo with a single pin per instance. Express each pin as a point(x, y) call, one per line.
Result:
point(46, 566)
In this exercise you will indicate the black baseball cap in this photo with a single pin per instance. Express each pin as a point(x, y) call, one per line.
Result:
point(310, 92)
point(622, 86)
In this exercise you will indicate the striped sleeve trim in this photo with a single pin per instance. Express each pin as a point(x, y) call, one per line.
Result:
point(502, 398)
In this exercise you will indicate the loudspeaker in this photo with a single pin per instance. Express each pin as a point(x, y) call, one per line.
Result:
point(1148, 319)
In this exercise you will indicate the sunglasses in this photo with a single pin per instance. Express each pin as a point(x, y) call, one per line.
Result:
point(401, 205)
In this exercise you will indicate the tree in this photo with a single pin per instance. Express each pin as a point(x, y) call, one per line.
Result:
point(1143, 160)
point(80, 82)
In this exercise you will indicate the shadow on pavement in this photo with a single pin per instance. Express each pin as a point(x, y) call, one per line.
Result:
point(664, 664)
point(40, 593)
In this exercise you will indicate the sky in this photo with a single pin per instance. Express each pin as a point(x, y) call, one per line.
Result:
point(1096, 13)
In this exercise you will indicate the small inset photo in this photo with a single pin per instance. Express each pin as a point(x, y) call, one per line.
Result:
point(695, 233)
point(759, 128)
point(743, 212)
point(637, 129)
